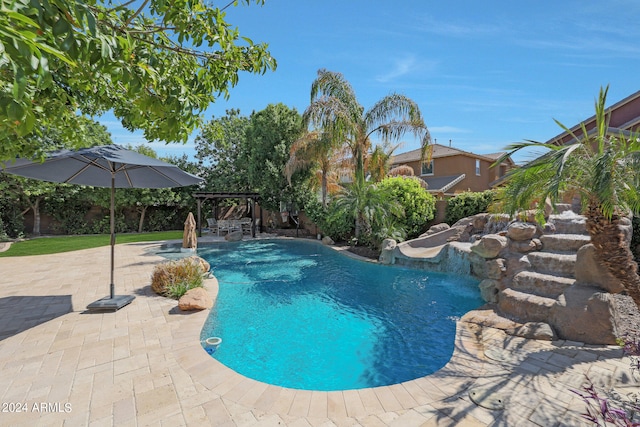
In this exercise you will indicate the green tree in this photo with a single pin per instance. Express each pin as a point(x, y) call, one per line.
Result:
point(317, 152)
point(602, 168)
point(417, 204)
point(31, 193)
point(369, 205)
point(269, 137)
point(156, 64)
point(335, 110)
point(379, 161)
point(220, 151)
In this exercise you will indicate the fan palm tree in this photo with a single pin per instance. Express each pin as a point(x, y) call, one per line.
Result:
point(317, 150)
point(602, 167)
point(335, 110)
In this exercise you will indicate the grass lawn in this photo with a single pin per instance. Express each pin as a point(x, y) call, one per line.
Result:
point(52, 245)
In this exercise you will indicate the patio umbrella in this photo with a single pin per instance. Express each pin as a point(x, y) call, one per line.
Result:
point(104, 166)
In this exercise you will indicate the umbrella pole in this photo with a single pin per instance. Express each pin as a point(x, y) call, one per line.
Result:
point(112, 226)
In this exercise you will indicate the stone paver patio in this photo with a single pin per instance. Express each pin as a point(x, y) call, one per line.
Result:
point(144, 365)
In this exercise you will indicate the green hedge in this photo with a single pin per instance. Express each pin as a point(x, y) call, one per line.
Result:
point(467, 204)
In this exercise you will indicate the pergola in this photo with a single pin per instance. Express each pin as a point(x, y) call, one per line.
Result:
point(201, 196)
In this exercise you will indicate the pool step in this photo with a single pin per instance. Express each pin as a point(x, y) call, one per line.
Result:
point(524, 306)
point(569, 224)
point(553, 263)
point(561, 243)
point(544, 285)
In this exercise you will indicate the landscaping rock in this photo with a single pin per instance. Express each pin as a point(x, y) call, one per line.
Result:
point(521, 231)
point(525, 246)
point(489, 290)
point(478, 265)
point(549, 228)
point(195, 299)
point(586, 314)
point(437, 228)
point(589, 270)
point(234, 236)
point(489, 246)
point(326, 240)
point(495, 268)
point(387, 253)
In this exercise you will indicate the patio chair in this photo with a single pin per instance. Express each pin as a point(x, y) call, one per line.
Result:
point(245, 223)
point(213, 225)
point(223, 225)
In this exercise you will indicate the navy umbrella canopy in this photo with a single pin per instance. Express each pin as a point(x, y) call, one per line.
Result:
point(110, 166)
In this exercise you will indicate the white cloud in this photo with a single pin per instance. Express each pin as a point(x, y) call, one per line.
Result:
point(404, 66)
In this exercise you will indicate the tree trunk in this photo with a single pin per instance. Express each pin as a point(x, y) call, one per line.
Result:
point(324, 190)
point(612, 246)
point(35, 207)
point(143, 212)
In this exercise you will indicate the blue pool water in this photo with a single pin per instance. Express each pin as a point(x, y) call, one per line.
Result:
point(299, 315)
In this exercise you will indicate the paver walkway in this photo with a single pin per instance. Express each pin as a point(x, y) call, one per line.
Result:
point(144, 366)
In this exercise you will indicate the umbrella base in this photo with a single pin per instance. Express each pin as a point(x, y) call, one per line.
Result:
point(108, 303)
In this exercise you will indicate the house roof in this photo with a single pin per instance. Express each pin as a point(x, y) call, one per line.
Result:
point(440, 184)
point(441, 151)
point(624, 116)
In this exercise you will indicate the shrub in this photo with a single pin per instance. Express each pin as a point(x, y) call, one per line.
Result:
point(174, 278)
point(332, 221)
point(467, 204)
point(11, 219)
point(416, 202)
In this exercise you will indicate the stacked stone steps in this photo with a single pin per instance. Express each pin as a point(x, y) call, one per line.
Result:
point(534, 292)
point(525, 306)
point(565, 224)
point(561, 243)
point(552, 263)
point(541, 284)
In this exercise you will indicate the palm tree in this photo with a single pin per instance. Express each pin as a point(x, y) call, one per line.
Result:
point(601, 166)
point(335, 110)
point(368, 204)
point(379, 161)
point(317, 150)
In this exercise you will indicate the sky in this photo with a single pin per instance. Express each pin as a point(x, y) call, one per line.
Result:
point(484, 73)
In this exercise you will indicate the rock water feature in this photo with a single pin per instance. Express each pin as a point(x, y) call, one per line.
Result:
point(540, 282)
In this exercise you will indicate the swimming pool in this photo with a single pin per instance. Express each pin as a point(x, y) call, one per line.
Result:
point(299, 315)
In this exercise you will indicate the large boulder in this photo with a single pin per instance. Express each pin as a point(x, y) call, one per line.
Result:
point(586, 314)
point(195, 299)
point(589, 270)
point(495, 268)
point(521, 231)
point(525, 246)
point(326, 240)
point(436, 229)
point(387, 253)
point(489, 246)
point(234, 236)
point(489, 290)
